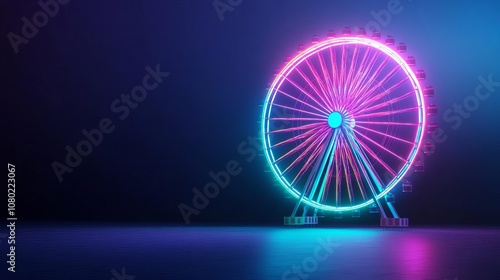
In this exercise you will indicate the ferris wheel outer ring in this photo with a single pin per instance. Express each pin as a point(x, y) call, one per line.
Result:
point(290, 66)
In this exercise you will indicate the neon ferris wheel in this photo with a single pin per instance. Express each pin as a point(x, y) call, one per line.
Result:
point(343, 123)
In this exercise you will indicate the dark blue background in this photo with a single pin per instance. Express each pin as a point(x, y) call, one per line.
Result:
point(91, 52)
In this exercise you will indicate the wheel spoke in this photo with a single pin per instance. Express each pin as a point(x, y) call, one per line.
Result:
point(311, 85)
point(387, 113)
point(338, 179)
point(360, 83)
point(350, 75)
point(355, 168)
point(386, 135)
point(296, 128)
point(374, 155)
point(324, 160)
point(388, 123)
point(326, 179)
point(335, 77)
point(359, 73)
point(342, 75)
point(376, 178)
point(297, 148)
point(369, 88)
point(303, 102)
point(316, 144)
point(347, 174)
point(380, 146)
point(383, 104)
point(312, 157)
point(297, 110)
point(363, 166)
point(377, 97)
point(327, 166)
point(298, 119)
point(324, 92)
point(320, 104)
point(329, 83)
point(315, 130)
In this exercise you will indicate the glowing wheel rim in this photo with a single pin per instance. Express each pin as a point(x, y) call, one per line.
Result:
point(354, 122)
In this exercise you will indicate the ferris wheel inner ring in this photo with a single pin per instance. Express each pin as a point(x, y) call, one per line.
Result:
point(342, 121)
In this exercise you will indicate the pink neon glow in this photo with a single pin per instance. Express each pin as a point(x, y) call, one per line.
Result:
point(371, 91)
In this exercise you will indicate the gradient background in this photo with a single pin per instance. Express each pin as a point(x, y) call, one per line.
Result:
point(91, 52)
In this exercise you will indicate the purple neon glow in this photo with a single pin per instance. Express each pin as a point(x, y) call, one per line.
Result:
point(382, 111)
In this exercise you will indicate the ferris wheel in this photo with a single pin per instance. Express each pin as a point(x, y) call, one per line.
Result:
point(343, 124)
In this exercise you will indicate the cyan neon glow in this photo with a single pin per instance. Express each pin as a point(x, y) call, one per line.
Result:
point(335, 120)
point(366, 92)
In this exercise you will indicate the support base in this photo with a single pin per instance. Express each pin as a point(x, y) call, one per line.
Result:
point(300, 221)
point(394, 222)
